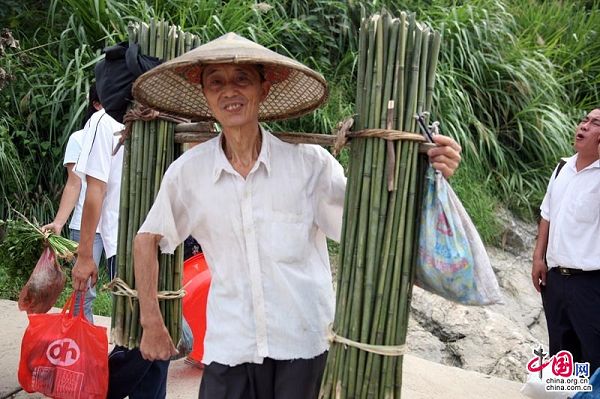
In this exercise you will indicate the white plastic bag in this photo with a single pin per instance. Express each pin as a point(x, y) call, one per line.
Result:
point(452, 260)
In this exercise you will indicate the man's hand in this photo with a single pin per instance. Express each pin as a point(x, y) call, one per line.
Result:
point(446, 156)
point(54, 227)
point(538, 274)
point(157, 343)
point(84, 269)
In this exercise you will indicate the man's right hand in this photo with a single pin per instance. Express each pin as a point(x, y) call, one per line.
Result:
point(538, 274)
point(84, 269)
point(157, 343)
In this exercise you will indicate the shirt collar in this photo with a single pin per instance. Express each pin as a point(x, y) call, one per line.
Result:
point(572, 162)
point(222, 163)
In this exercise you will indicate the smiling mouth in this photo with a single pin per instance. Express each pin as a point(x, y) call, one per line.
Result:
point(233, 107)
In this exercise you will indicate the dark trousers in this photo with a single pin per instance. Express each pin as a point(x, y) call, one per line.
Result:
point(131, 375)
point(274, 379)
point(572, 308)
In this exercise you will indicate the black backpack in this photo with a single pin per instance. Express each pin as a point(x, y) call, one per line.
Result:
point(115, 75)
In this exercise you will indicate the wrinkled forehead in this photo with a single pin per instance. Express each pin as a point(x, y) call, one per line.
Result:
point(209, 69)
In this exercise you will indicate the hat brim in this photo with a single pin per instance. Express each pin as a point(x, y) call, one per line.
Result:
point(175, 86)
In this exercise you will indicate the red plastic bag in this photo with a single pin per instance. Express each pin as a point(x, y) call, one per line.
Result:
point(44, 285)
point(64, 356)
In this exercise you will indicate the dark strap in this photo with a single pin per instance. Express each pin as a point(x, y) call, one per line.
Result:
point(559, 167)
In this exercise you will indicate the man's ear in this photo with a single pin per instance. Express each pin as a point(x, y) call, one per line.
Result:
point(97, 105)
point(266, 87)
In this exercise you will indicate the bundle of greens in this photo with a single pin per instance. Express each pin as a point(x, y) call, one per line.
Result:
point(22, 242)
point(21, 245)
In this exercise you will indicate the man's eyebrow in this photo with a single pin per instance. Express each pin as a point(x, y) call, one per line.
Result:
point(209, 71)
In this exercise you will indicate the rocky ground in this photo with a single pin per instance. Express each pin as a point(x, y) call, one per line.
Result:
point(496, 340)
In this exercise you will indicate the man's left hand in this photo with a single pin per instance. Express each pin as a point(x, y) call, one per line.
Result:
point(446, 156)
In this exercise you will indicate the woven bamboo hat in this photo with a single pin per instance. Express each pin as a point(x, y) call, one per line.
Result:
point(175, 86)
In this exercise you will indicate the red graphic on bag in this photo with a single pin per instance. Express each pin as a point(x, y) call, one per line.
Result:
point(63, 356)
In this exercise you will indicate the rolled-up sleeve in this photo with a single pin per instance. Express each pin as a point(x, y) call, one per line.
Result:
point(329, 197)
point(169, 216)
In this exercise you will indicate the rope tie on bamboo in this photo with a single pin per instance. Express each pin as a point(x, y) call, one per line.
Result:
point(385, 350)
point(142, 113)
point(343, 134)
point(120, 288)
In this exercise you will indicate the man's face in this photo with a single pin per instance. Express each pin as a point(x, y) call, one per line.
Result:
point(587, 135)
point(234, 93)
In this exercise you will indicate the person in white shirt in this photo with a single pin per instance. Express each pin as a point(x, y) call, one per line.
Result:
point(73, 196)
point(566, 259)
point(261, 209)
point(102, 172)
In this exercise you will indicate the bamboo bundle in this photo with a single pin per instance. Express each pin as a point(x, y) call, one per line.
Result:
point(396, 70)
point(148, 152)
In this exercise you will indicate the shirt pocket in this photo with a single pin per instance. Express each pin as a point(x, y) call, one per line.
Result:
point(587, 208)
point(288, 239)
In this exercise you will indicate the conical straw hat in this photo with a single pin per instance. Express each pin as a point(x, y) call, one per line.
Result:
point(175, 86)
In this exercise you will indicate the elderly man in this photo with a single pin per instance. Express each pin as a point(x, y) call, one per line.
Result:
point(566, 259)
point(261, 210)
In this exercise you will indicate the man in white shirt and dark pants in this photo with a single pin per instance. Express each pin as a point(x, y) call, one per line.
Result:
point(260, 208)
point(566, 259)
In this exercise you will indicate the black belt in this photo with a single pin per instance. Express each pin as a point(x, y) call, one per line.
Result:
point(567, 271)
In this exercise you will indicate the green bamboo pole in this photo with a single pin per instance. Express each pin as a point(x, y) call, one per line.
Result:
point(362, 53)
point(431, 67)
point(400, 86)
point(397, 240)
point(422, 91)
point(407, 264)
point(344, 273)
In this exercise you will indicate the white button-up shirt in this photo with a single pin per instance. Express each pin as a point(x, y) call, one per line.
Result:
point(572, 205)
point(264, 239)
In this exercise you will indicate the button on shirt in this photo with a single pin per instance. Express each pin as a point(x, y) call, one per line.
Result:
point(264, 239)
point(572, 206)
